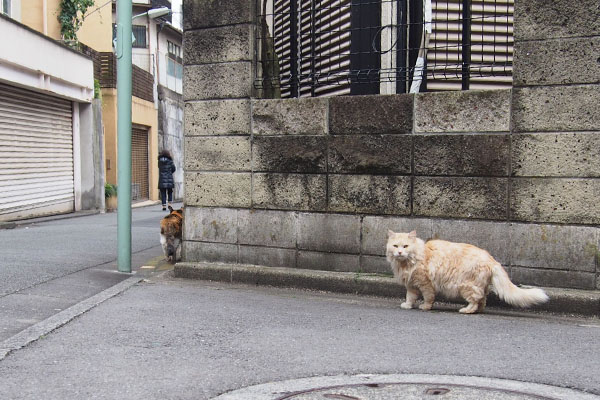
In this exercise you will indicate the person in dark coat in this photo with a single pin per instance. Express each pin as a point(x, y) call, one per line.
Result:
point(166, 183)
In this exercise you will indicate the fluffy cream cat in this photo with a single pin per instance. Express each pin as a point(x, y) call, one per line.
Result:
point(454, 270)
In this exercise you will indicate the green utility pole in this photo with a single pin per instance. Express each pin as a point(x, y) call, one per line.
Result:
point(123, 53)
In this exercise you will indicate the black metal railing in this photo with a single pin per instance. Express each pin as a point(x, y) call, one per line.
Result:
point(333, 47)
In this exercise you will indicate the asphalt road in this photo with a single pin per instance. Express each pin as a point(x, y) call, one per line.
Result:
point(168, 338)
point(47, 266)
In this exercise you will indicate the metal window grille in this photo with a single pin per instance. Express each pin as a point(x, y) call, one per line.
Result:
point(139, 32)
point(139, 35)
point(139, 164)
point(335, 47)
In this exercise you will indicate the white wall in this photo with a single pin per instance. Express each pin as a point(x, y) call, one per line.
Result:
point(166, 34)
point(31, 60)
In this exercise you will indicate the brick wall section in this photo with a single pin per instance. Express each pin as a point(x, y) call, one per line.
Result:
point(316, 183)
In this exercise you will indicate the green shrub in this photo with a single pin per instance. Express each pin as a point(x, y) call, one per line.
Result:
point(110, 190)
point(71, 17)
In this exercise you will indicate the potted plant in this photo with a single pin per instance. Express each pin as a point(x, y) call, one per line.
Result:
point(110, 195)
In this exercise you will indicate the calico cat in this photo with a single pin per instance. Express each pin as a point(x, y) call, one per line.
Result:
point(454, 270)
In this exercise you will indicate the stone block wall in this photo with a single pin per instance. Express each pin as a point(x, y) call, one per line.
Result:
point(316, 183)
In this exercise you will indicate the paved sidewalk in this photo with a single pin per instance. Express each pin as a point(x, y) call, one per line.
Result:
point(50, 264)
point(565, 301)
point(170, 338)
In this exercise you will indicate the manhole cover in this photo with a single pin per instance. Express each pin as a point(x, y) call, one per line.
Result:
point(404, 387)
point(408, 391)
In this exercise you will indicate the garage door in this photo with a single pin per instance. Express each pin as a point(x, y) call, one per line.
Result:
point(36, 154)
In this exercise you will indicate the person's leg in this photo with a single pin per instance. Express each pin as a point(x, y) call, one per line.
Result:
point(170, 191)
point(163, 198)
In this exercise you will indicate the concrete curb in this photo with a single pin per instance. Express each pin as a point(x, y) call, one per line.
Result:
point(31, 221)
point(564, 301)
point(43, 328)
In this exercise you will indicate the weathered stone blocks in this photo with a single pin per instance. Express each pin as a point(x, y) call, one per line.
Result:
point(217, 153)
point(552, 278)
point(302, 192)
point(328, 261)
point(572, 248)
point(557, 62)
point(211, 13)
point(466, 155)
point(556, 109)
point(369, 194)
point(215, 45)
point(555, 200)
point(472, 111)
point(217, 117)
point(494, 237)
point(556, 154)
point(218, 189)
point(209, 252)
point(306, 154)
point(375, 265)
point(352, 115)
point(210, 224)
point(268, 256)
point(540, 19)
point(217, 81)
point(370, 154)
point(329, 233)
point(290, 117)
point(267, 228)
point(477, 198)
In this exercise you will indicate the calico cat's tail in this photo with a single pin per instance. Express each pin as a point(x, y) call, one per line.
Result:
point(512, 294)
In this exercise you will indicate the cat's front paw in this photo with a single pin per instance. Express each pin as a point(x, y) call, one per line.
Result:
point(406, 306)
point(425, 307)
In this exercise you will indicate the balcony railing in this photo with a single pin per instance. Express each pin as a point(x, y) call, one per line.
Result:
point(142, 81)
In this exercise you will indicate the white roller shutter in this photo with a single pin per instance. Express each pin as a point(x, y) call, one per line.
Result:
point(36, 154)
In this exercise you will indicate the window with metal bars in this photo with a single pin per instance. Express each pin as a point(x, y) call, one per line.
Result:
point(336, 47)
point(139, 163)
point(138, 36)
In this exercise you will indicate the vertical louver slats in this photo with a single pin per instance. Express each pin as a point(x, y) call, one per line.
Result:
point(491, 45)
point(323, 35)
point(321, 32)
point(36, 154)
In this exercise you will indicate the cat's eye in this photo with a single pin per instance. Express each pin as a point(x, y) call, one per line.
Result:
point(396, 246)
point(405, 246)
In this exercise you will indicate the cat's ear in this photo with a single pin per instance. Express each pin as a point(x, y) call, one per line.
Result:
point(390, 233)
point(412, 235)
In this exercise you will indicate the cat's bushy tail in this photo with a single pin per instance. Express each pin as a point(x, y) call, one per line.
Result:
point(512, 294)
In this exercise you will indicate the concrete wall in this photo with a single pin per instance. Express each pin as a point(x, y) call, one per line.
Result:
point(170, 132)
point(96, 30)
point(316, 183)
point(92, 157)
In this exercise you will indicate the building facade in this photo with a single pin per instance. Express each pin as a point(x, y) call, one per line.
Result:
point(49, 125)
point(151, 71)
